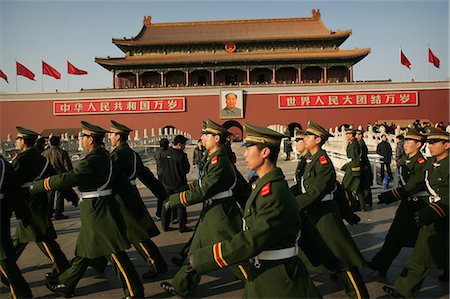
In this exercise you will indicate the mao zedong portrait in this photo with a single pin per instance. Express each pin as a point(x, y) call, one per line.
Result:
point(230, 109)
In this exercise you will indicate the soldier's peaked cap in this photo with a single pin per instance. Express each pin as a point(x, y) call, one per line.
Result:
point(203, 126)
point(26, 133)
point(90, 129)
point(261, 135)
point(434, 135)
point(350, 130)
point(413, 134)
point(119, 128)
point(299, 134)
point(215, 128)
point(317, 130)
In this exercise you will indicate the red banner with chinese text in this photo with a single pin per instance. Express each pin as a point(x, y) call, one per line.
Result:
point(348, 100)
point(127, 105)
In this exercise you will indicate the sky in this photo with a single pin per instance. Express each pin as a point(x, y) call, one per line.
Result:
point(79, 31)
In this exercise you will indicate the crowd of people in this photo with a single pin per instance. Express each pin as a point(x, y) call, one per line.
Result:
point(267, 233)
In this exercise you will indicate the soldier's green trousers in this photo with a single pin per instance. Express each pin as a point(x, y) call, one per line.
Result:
point(124, 269)
point(353, 283)
point(51, 249)
point(17, 284)
point(149, 252)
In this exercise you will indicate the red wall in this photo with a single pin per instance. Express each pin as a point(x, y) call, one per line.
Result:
point(261, 109)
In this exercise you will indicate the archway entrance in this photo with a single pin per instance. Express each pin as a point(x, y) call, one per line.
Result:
point(236, 130)
point(291, 128)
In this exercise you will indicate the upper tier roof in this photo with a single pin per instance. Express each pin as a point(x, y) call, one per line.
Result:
point(354, 55)
point(232, 31)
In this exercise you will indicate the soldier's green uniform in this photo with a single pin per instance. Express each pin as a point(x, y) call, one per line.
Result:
point(403, 231)
point(102, 232)
point(12, 199)
point(316, 200)
point(140, 229)
point(269, 237)
point(366, 172)
point(29, 166)
point(431, 248)
point(352, 176)
point(220, 218)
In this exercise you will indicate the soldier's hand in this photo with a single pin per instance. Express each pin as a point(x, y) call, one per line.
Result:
point(166, 204)
point(353, 219)
point(189, 262)
point(425, 216)
point(419, 222)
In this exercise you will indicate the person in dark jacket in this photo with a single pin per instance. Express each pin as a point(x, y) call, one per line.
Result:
point(175, 166)
point(163, 146)
point(197, 160)
point(384, 149)
point(60, 161)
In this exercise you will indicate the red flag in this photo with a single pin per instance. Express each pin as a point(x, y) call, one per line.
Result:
point(23, 71)
point(73, 70)
point(50, 71)
point(404, 60)
point(433, 59)
point(3, 75)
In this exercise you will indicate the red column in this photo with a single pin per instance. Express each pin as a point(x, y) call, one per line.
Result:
point(248, 75)
point(299, 77)
point(351, 73)
point(212, 77)
point(137, 81)
point(325, 75)
point(273, 76)
point(187, 78)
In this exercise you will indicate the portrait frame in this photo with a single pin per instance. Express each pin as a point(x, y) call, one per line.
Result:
point(238, 110)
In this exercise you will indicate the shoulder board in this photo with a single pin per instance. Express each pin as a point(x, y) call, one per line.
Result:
point(214, 160)
point(16, 156)
point(265, 190)
point(84, 157)
point(323, 160)
point(421, 160)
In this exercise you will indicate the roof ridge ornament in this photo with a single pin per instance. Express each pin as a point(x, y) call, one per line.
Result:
point(147, 21)
point(316, 14)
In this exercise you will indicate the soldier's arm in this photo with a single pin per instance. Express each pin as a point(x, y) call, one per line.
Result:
point(145, 175)
point(212, 183)
point(434, 212)
point(356, 159)
point(15, 194)
point(65, 180)
point(67, 163)
point(415, 183)
point(322, 185)
point(296, 189)
point(246, 244)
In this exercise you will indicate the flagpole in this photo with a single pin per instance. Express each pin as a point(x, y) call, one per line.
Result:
point(16, 77)
point(42, 76)
point(399, 67)
point(428, 64)
point(67, 74)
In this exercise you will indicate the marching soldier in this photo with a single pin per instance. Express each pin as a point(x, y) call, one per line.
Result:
point(352, 176)
point(366, 170)
point(29, 166)
point(12, 198)
point(318, 184)
point(270, 231)
point(102, 230)
point(403, 231)
point(431, 248)
point(140, 230)
point(220, 218)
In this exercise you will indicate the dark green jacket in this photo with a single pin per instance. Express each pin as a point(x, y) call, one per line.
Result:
point(102, 229)
point(271, 222)
point(366, 169)
point(352, 176)
point(431, 246)
point(297, 189)
point(29, 166)
point(12, 198)
point(319, 180)
point(130, 164)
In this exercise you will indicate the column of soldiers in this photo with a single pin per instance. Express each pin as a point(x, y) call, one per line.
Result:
point(280, 234)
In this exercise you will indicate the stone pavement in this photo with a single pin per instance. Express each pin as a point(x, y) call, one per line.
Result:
point(369, 235)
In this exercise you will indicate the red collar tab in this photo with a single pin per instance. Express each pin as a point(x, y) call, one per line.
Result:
point(265, 190)
point(323, 160)
point(214, 160)
point(421, 160)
